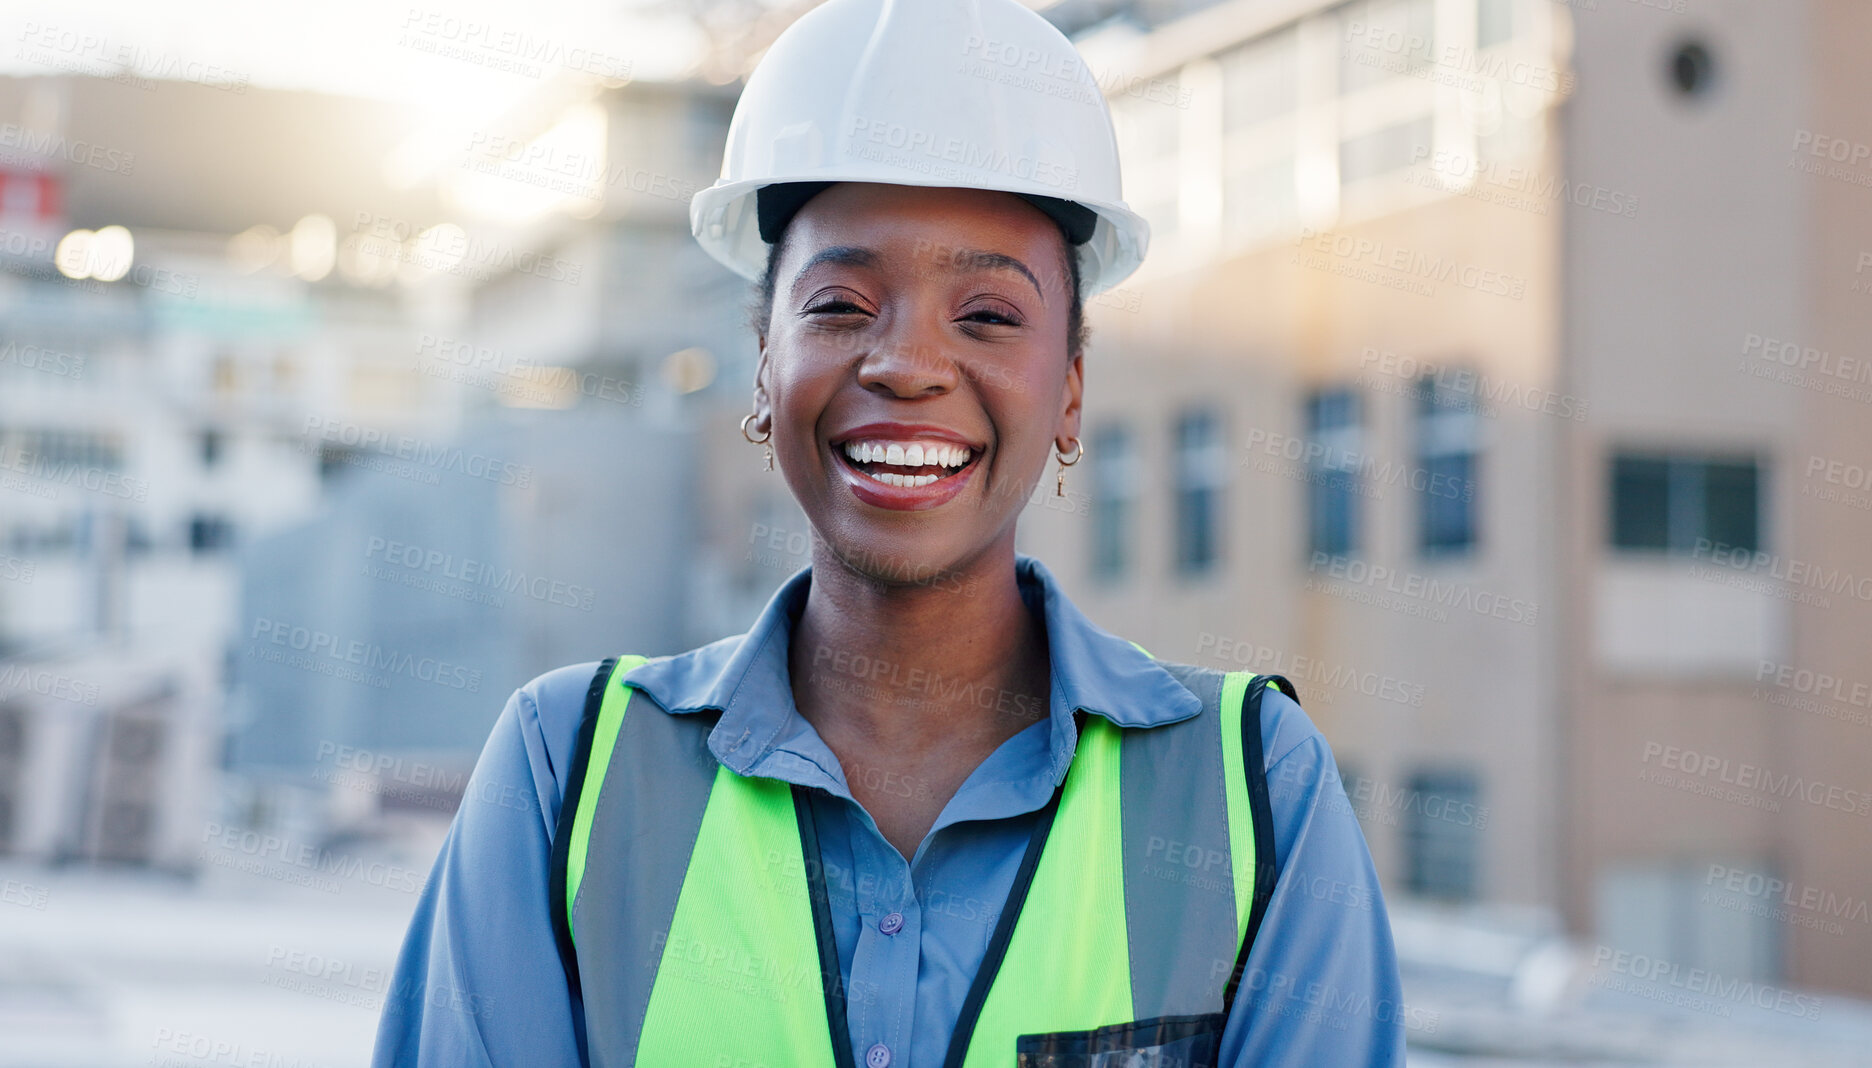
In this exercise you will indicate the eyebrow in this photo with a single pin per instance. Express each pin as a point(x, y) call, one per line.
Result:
point(968, 259)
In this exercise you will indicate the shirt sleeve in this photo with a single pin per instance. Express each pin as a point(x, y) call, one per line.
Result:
point(1321, 984)
point(478, 981)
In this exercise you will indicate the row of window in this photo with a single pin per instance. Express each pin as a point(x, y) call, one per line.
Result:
point(1354, 73)
point(1658, 501)
point(1440, 818)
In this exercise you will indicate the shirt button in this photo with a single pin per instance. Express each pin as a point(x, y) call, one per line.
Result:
point(890, 925)
point(878, 1056)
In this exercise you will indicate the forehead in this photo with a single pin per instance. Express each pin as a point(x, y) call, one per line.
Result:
point(926, 220)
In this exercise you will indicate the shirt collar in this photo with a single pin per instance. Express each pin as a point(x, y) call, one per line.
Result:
point(746, 677)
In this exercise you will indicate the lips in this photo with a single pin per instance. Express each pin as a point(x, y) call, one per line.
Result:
point(903, 466)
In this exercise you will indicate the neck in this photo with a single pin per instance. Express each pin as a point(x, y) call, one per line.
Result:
point(955, 662)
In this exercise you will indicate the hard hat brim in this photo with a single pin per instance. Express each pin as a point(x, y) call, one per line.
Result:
point(725, 221)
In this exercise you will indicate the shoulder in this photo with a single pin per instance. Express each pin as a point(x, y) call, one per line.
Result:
point(549, 708)
point(1287, 733)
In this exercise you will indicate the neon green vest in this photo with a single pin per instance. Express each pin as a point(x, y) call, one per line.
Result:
point(691, 910)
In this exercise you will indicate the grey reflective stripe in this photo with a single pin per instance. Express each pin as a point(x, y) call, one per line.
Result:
point(649, 812)
point(1179, 881)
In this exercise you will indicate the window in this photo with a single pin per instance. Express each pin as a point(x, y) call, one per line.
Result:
point(1494, 22)
point(1713, 912)
point(1390, 148)
point(1447, 441)
point(1384, 38)
point(1114, 500)
point(1259, 80)
point(211, 447)
point(1201, 470)
point(1442, 834)
point(1333, 448)
point(1261, 200)
point(210, 533)
point(1670, 502)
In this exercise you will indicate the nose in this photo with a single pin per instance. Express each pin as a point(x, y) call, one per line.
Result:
point(909, 361)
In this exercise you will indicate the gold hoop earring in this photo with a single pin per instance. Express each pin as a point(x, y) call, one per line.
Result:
point(1078, 454)
point(751, 416)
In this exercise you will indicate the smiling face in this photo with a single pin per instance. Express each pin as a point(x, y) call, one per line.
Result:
point(915, 371)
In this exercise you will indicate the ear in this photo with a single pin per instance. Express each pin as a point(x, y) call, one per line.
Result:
point(1071, 404)
point(763, 404)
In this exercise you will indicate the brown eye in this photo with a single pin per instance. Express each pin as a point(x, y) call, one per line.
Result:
point(993, 317)
point(835, 307)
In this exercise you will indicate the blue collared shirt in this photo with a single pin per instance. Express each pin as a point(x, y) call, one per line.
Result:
point(479, 981)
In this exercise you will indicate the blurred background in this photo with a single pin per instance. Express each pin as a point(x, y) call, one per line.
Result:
point(1499, 373)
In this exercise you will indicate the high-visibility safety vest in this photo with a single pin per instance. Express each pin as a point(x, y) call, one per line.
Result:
point(690, 906)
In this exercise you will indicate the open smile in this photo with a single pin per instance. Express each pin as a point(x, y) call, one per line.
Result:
point(905, 474)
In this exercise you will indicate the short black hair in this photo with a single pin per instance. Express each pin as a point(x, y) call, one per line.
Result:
point(1078, 333)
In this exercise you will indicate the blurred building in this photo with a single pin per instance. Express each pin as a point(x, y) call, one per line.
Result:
point(186, 342)
point(1493, 374)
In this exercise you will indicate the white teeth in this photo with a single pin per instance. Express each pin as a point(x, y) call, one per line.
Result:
point(906, 481)
point(914, 454)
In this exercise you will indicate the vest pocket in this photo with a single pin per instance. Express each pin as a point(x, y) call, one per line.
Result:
point(1163, 1042)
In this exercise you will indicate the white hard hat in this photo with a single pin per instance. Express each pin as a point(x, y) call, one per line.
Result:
point(983, 94)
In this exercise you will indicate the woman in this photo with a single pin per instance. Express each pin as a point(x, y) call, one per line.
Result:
point(923, 812)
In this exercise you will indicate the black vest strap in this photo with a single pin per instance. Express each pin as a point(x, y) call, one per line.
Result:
point(562, 844)
point(1254, 761)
